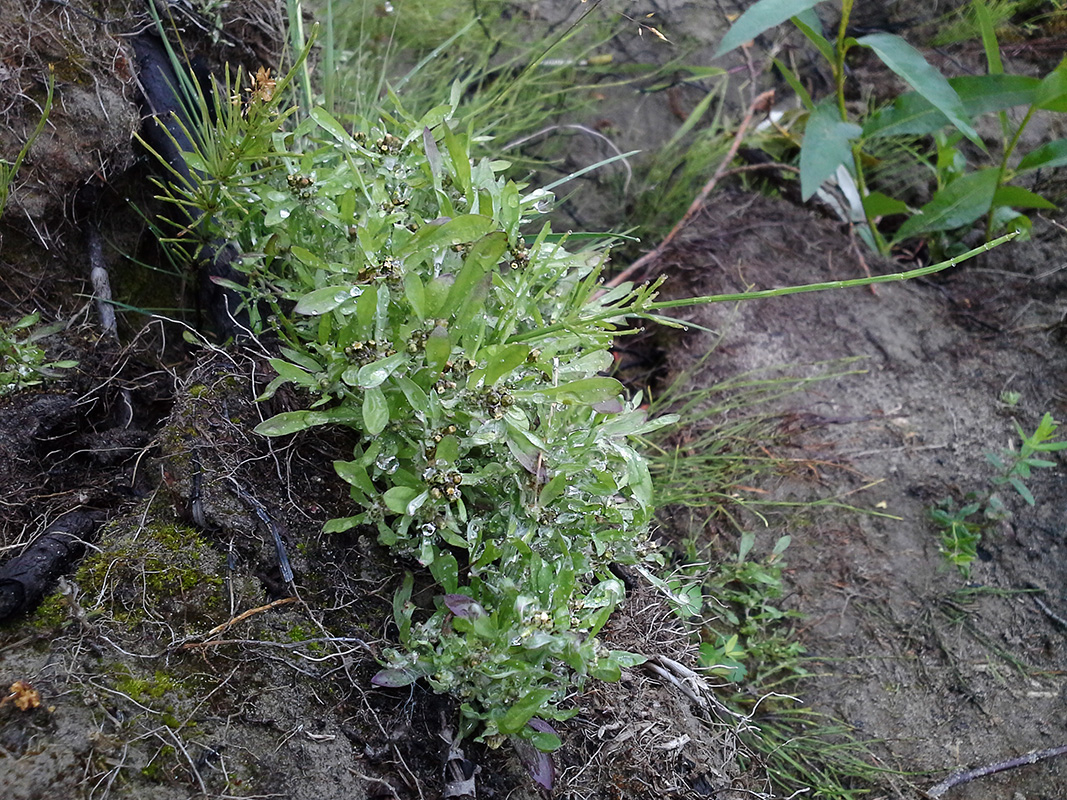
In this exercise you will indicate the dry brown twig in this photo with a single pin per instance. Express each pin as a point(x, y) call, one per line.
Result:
point(239, 618)
point(991, 769)
point(761, 105)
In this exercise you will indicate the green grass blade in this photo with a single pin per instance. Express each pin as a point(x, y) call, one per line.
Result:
point(989, 37)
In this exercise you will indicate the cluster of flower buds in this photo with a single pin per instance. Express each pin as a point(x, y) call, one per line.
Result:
point(301, 185)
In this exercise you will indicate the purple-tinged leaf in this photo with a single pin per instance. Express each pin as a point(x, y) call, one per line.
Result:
point(612, 406)
point(540, 725)
point(532, 463)
point(433, 155)
point(463, 606)
point(538, 764)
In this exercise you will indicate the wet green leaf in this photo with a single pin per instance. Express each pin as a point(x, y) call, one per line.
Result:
point(502, 359)
point(324, 300)
point(520, 713)
point(375, 373)
point(584, 390)
point(356, 474)
point(438, 349)
point(458, 230)
point(481, 258)
point(283, 424)
point(399, 498)
point(375, 411)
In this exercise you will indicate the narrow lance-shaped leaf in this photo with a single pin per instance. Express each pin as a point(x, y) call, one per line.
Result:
point(331, 125)
point(1018, 197)
point(909, 64)
point(283, 424)
point(761, 17)
point(294, 421)
point(877, 204)
point(989, 37)
point(583, 390)
point(958, 204)
point(913, 114)
point(808, 23)
point(480, 259)
point(433, 155)
point(795, 84)
point(1052, 93)
point(1047, 156)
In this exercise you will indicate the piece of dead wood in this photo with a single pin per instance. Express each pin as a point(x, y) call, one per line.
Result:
point(460, 773)
point(991, 769)
point(26, 578)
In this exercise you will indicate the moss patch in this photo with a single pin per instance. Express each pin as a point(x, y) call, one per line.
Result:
point(160, 571)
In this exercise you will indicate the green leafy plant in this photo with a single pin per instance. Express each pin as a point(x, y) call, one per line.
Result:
point(945, 108)
point(746, 635)
point(412, 309)
point(960, 527)
point(23, 362)
point(415, 297)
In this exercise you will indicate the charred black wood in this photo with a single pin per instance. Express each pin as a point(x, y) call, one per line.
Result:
point(27, 578)
point(167, 128)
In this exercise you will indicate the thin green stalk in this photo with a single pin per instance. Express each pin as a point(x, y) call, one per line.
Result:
point(881, 245)
point(839, 65)
point(329, 61)
point(818, 287)
point(299, 43)
point(1004, 163)
point(843, 41)
point(647, 310)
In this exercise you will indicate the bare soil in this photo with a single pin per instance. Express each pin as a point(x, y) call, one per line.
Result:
point(941, 673)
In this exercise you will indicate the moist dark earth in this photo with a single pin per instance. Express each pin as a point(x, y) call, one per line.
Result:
point(170, 660)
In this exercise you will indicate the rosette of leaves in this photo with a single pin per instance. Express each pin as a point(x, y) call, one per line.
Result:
point(492, 451)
